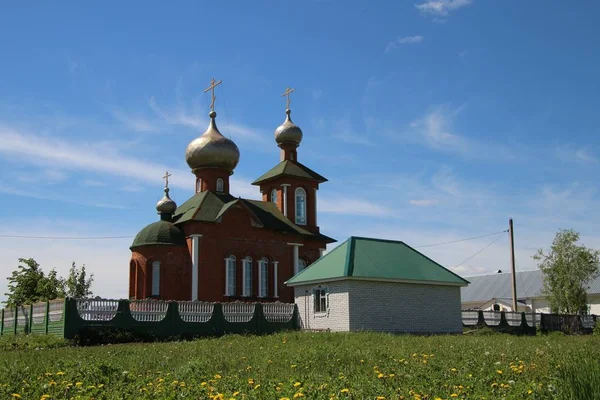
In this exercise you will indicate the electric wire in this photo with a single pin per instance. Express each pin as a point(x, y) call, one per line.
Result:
point(461, 240)
point(488, 245)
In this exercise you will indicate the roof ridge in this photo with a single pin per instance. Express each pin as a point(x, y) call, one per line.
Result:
point(436, 263)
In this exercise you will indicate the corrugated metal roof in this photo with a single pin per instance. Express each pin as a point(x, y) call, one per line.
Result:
point(529, 284)
point(376, 259)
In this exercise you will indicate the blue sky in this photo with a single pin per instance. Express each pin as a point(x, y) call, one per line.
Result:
point(433, 120)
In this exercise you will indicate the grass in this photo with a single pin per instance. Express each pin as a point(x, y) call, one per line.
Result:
point(311, 365)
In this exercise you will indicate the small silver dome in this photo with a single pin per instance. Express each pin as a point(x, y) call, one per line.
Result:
point(212, 150)
point(166, 205)
point(288, 132)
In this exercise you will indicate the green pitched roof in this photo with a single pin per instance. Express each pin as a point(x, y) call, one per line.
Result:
point(376, 259)
point(209, 207)
point(290, 168)
point(159, 233)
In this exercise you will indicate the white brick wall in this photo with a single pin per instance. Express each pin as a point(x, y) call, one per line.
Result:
point(337, 319)
point(381, 306)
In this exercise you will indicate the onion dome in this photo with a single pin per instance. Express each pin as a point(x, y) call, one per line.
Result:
point(166, 205)
point(212, 150)
point(162, 233)
point(288, 132)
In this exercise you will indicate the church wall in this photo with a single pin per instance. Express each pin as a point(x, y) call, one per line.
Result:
point(236, 235)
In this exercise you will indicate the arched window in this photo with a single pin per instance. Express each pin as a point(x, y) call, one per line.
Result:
point(300, 206)
point(230, 276)
point(301, 265)
point(198, 185)
point(274, 196)
point(247, 277)
point(263, 277)
point(156, 278)
point(219, 184)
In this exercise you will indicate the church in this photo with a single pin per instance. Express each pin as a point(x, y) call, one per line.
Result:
point(219, 248)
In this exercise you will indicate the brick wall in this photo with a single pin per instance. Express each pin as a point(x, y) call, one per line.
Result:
point(337, 319)
point(381, 306)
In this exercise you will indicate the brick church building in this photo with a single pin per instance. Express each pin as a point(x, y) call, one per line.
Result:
point(219, 248)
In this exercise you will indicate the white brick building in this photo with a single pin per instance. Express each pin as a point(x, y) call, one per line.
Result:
point(378, 285)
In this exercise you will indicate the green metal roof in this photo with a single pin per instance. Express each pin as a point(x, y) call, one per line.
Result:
point(209, 207)
point(290, 168)
point(377, 259)
point(159, 233)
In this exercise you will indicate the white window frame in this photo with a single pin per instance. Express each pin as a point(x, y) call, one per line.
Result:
point(263, 277)
point(275, 281)
point(273, 197)
point(300, 192)
point(220, 185)
point(156, 278)
point(301, 264)
point(230, 275)
point(198, 185)
point(321, 300)
point(247, 277)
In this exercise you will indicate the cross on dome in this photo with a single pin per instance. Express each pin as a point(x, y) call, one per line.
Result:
point(212, 87)
point(166, 178)
point(287, 93)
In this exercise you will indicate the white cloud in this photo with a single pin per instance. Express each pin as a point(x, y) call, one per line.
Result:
point(353, 207)
point(135, 123)
point(441, 7)
point(91, 183)
point(580, 155)
point(423, 202)
point(403, 40)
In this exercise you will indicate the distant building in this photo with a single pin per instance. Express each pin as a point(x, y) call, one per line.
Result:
point(494, 292)
point(378, 285)
point(219, 248)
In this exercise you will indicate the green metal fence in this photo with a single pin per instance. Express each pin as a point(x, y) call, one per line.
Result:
point(69, 317)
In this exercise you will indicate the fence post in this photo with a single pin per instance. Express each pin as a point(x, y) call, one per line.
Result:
point(2, 323)
point(47, 317)
point(16, 321)
point(30, 322)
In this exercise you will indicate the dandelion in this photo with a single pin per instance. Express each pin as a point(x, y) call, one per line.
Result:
point(79, 384)
point(529, 391)
point(392, 375)
point(45, 397)
point(100, 386)
point(345, 391)
point(203, 384)
point(381, 398)
point(380, 376)
point(235, 393)
point(60, 373)
point(217, 376)
point(499, 371)
point(16, 395)
point(297, 384)
point(293, 366)
point(298, 395)
point(52, 383)
point(284, 398)
point(452, 369)
point(257, 386)
point(453, 395)
point(250, 381)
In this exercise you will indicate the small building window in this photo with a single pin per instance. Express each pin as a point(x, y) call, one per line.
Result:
point(263, 278)
point(247, 277)
point(219, 184)
point(230, 276)
point(156, 278)
point(300, 206)
point(198, 185)
point(274, 196)
point(321, 300)
point(301, 264)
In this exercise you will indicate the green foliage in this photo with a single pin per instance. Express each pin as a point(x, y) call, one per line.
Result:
point(29, 284)
point(316, 365)
point(568, 269)
point(78, 284)
point(597, 328)
point(31, 342)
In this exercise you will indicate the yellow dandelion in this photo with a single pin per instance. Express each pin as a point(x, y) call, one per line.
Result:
point(452, 369)
point(499, 371)
point(298, 395)
point(16, 395)
point(529, 391)
point(257, 386)
point(297, 384)
point(52, 383)
point(59, 373)
point(79, 384)
point(284, 398)
point(345, 391)
point(437, 398)
point(293, 366)
point(381, 398)
point(217, 376)
point(250, 381)
point(45, 396)
point(392, 375)
point(235, 393)
point(380, 376)
point(453, 395)
point(494, 385)
point(100, 386)
point(203, 384)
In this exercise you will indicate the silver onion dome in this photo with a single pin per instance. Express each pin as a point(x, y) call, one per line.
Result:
point(166, 205)
point(288, 132)
point(212, 150)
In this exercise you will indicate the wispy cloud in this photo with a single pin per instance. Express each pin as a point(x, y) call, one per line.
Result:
point(423, 202)
point(575, 154)
point(135, 123)
point(441, 7)
point(353, 207)
point(403, 40)
point(36, 194)
point(91, 183)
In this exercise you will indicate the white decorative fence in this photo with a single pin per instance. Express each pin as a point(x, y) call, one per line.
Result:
point(278, 312)
point(513, 319)
point(238, 312)
point(9, 318)
point(23, 316)
point(95, 310)
point(195, 311)
point(491, 317)
point(39, 313)
point(57, 310)
point(148, 310)
point(470, 317)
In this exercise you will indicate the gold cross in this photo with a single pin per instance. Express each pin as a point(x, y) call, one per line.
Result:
point(287, 93)
point(212, 87)
point(166, 178)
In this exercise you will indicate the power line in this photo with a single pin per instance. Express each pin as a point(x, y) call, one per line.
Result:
point(462, 240)
point(491, 243)
point(65, 237)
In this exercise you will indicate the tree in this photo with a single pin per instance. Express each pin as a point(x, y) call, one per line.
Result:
point(78, 284)
point(568, 269)
point(28, 284)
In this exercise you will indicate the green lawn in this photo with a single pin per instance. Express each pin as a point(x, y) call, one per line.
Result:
point(310, 365)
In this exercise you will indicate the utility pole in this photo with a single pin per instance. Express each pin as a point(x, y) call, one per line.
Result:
point(512, 265)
